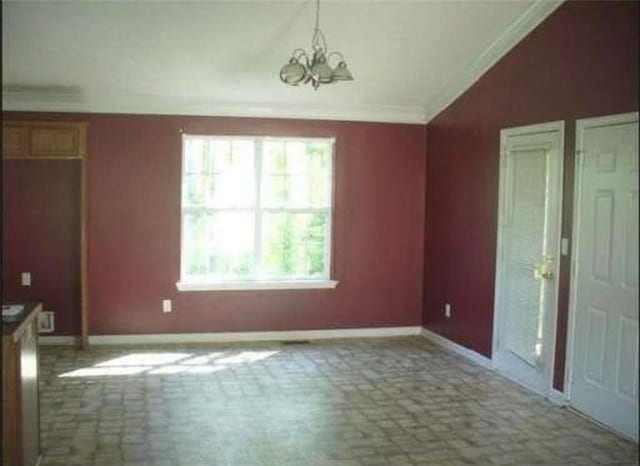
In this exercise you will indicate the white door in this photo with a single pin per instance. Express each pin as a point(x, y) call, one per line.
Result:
point(604, 356)
point(527, 253)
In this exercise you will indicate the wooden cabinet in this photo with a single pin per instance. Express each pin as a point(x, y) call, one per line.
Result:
point(27, 140)
point(14, 141)
point(43, 140)
point(20, 405)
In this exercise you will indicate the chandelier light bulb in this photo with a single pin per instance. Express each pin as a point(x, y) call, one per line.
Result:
point(293, 73)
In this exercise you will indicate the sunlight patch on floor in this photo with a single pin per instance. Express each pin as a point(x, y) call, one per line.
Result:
point(100, 371)
point(163, 363)
point(144, 359)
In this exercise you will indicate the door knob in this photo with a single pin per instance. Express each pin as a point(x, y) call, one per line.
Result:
point(544, 270)
point(543, 274)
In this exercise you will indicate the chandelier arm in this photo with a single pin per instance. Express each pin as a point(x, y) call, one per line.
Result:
point(324, 41)
point(319, 41)
point(298, 54)
point(338, 54)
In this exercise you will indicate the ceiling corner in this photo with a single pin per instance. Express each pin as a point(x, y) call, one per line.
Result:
point(518, 30)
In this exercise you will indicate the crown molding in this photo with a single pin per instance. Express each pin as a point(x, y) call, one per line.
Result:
point(55, 99)
point(517, 31)
point(179, 105)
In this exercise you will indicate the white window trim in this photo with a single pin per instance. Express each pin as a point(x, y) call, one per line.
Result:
point(204, 284)
point(257, 285)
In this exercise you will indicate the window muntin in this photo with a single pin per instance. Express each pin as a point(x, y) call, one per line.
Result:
point(256, 209)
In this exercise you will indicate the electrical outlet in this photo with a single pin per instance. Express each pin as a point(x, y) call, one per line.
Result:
point(166, 305)
point(447, 310)
point(46, 322)
point(25, 279)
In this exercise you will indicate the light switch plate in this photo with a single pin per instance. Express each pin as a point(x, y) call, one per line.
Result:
point(25, 279)
point(166, 305)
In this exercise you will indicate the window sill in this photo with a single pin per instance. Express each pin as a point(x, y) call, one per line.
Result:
point(266, 285)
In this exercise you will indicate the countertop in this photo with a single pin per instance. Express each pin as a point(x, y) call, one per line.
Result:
point(14, 325)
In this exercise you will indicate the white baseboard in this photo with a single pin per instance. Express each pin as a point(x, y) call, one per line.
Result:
point(554, 396)
point(526, 384)
point(225, 337)
point(558, 398)
point(58, 340)
point(456, 348)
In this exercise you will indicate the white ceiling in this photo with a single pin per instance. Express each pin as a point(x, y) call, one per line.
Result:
point(409, 58)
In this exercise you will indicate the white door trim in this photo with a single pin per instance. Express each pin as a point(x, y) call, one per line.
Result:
point(505, 133)
point(581, 126)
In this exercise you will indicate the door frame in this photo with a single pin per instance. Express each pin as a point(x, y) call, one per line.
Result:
point(497, 315)
point(572, 314)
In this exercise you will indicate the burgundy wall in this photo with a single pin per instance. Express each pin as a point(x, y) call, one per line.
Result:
point(134, 229)
point(581, 62)
point(40, 234)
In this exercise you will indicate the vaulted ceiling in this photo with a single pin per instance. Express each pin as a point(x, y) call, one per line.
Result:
point(409, 58)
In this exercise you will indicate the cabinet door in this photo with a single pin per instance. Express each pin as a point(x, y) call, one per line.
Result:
point(11, 452)
point(30, 408)
point(56, 141)
point(44, 139)
point(14, 141)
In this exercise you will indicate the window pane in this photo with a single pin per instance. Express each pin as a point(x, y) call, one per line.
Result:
point(275, 185)
point(194, 155)
point(319, 173)
point(219, 173)
point(234, 175)
point(296, 174)
point(221, 190)
point(196, 187)
point(219, 244)
point(293, 245)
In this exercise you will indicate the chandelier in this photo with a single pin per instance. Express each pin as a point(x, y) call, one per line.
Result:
point(304, 68)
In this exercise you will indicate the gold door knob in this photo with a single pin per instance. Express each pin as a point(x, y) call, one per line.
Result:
point(544, 270)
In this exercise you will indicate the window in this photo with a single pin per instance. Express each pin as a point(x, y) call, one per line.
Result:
point(256, 212)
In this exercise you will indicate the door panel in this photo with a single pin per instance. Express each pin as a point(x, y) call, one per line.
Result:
point(523, 247)
point(627, 382)
point(604, 361)
point(602, 233)
point(528, 237)
point(631, 242)
point(597, 334)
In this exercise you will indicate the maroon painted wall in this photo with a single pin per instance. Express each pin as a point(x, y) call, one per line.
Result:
point(134, 229)
point(40, 234)
point(581, 62)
